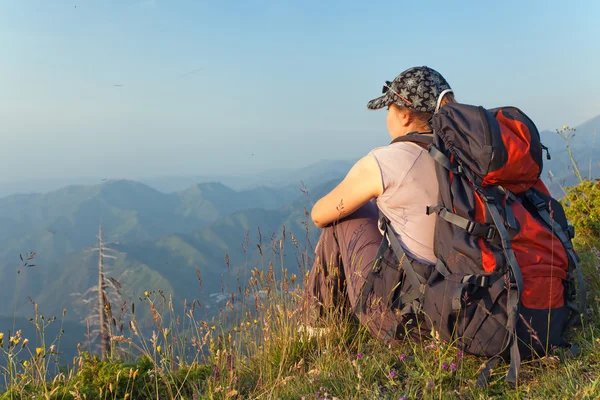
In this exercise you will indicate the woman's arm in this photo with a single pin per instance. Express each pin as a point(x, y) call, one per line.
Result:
point(362, 184)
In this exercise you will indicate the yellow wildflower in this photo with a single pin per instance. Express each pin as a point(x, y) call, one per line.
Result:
point(25, 341)
point(146, 293)
point(213, 328)
point(158, 348)
point(565, 127)
point(1, 335)
point(248, 323)
point(255, 322)
point(25, 363)
point(38, 350)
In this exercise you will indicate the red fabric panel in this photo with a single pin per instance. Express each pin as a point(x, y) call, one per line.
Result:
point(542, 259)
point(520, 171)
point(540, 292)
point(487, 257)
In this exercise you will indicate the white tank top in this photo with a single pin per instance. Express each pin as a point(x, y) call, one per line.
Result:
point(409, 186)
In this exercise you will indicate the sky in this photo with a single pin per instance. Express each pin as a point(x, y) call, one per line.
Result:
point(142, 88)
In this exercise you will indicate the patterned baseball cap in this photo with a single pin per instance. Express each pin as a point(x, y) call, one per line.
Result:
point(419, 88)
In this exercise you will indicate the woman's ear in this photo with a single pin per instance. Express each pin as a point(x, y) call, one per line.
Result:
point(403, 116)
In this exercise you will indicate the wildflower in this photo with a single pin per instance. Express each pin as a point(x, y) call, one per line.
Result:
point(248, 323)
point(255, 322)
point(402, 357)
point(445, 366)
point(212, 328)
point(402, 398)
point(25, 341)
point(158, 348)
point(453, 367)
point(1, 335)
point(392, 374)
point(38, 350)
point(359, 356)
point(25, 363)
point(460, 354)
point(430, 384)
point(146, 293)
point(564, 127)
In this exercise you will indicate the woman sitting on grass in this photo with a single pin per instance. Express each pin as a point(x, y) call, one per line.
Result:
point(400, 181)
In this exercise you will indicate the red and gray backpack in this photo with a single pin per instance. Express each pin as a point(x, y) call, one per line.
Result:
point(504, 283)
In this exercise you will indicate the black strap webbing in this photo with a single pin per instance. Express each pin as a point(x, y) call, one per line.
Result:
point(444, 161)
point(513, 298)
point(484, 375)
point(416, 280)
point(370, 279)
point(472, 227)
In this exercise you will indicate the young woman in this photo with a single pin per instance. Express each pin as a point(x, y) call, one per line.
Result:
point(400, 181)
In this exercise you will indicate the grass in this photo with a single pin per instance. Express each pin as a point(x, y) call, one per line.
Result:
point(255, 350)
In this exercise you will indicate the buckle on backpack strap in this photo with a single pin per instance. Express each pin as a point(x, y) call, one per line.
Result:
point(491, 233)
point(536, 200)
point(470, 226)
point(571, 231)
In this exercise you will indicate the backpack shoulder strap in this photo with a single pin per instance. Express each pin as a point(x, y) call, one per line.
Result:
point(423, 139)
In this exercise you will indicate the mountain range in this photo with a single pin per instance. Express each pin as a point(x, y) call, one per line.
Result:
point(159, 241)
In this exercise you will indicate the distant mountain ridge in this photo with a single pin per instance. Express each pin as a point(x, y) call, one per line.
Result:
point(310, 175)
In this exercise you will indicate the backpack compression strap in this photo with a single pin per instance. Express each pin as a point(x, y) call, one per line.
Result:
point(516, 283)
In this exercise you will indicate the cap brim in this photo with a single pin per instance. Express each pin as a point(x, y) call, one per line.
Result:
point(380, 102)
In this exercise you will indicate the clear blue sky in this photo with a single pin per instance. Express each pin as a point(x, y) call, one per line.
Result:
point(227, 87)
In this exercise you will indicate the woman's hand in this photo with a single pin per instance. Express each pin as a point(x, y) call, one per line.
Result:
point(362, 184)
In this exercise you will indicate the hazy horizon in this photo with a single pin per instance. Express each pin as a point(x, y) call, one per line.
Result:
point(141, 89)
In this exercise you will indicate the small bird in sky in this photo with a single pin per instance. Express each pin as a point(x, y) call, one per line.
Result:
point(119, 85)
point(195, 71)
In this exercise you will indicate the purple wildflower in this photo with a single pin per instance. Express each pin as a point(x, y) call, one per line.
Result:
point(453, 367)
point(195, 396)
point(402, 398)
point(392, 374)
point(460, 354)
point(216, 374)
point(430, 384)
point(359, 356)
point(318, 394)
point(402, 357)
point(445, 366)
